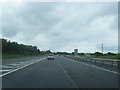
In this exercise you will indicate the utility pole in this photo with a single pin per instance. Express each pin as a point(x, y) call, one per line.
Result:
point(102, 49)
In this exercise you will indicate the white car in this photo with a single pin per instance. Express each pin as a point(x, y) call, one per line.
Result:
point(50, 57)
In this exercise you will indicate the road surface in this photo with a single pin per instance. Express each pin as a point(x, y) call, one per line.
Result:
point(60, 73)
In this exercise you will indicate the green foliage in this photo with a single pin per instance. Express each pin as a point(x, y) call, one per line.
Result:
point(9, 55)
point(110, 53)
point(98, 54)
point(62, 53)
point(107, 57)
point(81, 54)
point(48, 51)
point(118, 56)
point(13, 49)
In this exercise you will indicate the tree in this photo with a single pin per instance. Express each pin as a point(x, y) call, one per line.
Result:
point(81, 54)
point(48, 51)
point(97, 54)
point(14, 47)
point(109, 53)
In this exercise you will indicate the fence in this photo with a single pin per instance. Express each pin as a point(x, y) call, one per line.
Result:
point(111, 62)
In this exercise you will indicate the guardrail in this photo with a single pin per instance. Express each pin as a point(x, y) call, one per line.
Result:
point(111, 62)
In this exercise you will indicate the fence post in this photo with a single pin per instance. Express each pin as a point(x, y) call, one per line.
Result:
point(102, 62)
point(118, 64)
point(95, 61)
point(112, 63)
point(90, 59)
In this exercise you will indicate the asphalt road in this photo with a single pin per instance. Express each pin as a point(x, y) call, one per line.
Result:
point(15, 60)
point(60, 73)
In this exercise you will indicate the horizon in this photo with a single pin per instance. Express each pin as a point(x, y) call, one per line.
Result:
point(58, 51)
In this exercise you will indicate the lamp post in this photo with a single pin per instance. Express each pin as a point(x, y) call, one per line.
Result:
point(102, 49)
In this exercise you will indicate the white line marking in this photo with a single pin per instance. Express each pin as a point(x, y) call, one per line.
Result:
point(13, 64)
point(4, 70)
point(6, 67)
point(94, 66)
point(21, 67)
point(67, 75)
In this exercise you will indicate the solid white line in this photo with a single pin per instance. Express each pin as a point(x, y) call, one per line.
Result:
point(21, 68)
point(94, 66)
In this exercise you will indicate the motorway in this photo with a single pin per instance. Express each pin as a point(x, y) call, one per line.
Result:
point(59, 73)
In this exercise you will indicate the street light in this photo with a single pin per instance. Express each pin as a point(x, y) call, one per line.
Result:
point(102, 49)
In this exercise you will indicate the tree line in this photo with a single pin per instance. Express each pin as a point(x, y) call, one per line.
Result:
point(13, 47)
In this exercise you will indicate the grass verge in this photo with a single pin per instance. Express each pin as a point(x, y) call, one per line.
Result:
point(9, 56)
point(105, 56)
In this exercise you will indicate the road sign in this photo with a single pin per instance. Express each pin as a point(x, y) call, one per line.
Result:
point(76, 52)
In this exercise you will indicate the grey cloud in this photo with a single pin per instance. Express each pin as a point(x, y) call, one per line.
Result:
point(9, 31)
point(58, 26)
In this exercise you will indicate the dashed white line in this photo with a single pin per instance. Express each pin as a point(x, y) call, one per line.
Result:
point(67, 75)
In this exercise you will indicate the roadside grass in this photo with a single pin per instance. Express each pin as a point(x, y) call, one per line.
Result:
point(108, 57)
point(10, 55)
point(105, 56)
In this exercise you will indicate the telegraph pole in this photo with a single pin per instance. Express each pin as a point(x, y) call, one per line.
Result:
point(102, 49)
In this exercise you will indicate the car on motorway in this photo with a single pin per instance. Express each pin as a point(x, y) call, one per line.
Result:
point(50, 57)
point(88, 55)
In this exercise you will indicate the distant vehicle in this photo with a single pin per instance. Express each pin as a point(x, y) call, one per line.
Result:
point(50, 57)
point(88, 55)
point(57, 55)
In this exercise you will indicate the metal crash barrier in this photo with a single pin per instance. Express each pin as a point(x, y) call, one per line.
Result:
point(111, 62)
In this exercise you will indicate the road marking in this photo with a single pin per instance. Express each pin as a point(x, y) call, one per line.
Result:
point(4, 70)
point(67, 75)
point(12, 64)
point(100, 68)
point(94, 66)
point(6, 67)
point(22, 67)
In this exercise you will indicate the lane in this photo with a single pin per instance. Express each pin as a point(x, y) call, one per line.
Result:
point(44, 74)
point(16, 60)
point(86, 76)
point(11, 65)
point(15, 67)
point(60, 73)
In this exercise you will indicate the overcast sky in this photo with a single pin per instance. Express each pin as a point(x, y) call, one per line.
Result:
point(62, 26)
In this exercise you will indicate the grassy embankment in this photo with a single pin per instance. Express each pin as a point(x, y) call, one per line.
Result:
point(10, 55)
point(12, 49)
point(105, 56)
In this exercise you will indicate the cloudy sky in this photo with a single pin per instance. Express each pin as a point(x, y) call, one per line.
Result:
point(62, 26)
